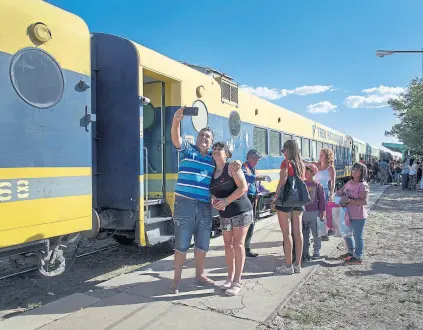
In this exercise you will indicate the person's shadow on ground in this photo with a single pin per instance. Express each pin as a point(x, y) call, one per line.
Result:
point(393, 269)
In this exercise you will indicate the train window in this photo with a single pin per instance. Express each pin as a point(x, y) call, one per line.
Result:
point(314, 150)
point(234, 124)
point(306, 148)
point(37, 78)
point(299, 143)
point(260, 140)
point(287, 137)
point(275, 143)
point(148, 116)
point(319, 148)
point(200, 121)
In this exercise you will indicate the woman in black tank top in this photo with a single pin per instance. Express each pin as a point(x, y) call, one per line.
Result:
point(229, 197)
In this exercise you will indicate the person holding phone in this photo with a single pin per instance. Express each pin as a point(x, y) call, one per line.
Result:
point(192, 210)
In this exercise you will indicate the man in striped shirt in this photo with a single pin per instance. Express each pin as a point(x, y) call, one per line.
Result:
point(192, 211)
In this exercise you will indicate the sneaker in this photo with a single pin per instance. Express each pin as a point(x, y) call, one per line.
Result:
point(234, 290)
point(315, 256)
point(174, 290)
point(354, 261)
point(225, 286)
point(297, 268)
point(325, 238)
point(250, 254)
point(284, 269)
point(345, 256)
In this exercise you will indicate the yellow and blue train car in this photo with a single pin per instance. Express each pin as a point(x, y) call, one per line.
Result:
point(45, 154)
point(86, 124)
point(136, 165)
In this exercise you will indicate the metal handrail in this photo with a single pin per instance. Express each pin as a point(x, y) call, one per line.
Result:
point(146, 182)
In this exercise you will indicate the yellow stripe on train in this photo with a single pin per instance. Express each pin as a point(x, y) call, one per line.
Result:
point(26, 221)
point(43, 172)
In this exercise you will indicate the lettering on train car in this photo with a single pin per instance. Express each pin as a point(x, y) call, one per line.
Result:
point(329, 135)
point(8, 190)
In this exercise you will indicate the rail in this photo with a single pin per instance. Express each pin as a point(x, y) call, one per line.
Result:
point(146, 182)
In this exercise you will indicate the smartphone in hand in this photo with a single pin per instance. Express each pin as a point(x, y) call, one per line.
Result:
point(190, 111)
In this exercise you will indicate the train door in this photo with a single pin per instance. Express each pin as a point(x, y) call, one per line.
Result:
point(160, 92)
point(154, 141)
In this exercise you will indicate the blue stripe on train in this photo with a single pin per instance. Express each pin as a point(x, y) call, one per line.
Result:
point(53, 137)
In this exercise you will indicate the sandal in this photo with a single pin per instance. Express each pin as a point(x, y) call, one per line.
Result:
point(234, 290)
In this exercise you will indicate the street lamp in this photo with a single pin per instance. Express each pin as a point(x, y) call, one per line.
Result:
point(383, 53)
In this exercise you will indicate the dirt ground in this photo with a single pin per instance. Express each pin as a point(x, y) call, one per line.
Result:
point(31, 290)
point(384, 293)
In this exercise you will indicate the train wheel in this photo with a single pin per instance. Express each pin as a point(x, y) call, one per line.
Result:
point(95, 229)
point(123, 240)
point(54, 264)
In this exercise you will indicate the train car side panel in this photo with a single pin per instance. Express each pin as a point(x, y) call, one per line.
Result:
point(45, 123)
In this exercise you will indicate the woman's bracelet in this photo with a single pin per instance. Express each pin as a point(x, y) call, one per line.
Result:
point(226, 201)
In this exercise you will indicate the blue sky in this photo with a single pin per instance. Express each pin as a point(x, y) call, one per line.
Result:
point(281, 46)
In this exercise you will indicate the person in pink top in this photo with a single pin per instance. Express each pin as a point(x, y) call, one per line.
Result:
point(354, 196)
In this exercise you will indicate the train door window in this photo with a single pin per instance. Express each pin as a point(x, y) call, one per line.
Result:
point(299, 143)
point(287, 137)
point(149, 115)
point(260, 140)
point(275, 143)
point(234, 124)
point(199, 122)
point(314, 150)
point(306, 148)
point(37, 78)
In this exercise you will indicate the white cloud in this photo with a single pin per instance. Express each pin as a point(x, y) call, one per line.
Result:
point(275, 94)
point(321, 107)
point(264, 92)
point(377, 97)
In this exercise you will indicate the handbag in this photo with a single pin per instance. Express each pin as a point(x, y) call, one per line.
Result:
point(294, 193)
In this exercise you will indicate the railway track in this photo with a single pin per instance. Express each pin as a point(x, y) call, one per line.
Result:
point(30, 270)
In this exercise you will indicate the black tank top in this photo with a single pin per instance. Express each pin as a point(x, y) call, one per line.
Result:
point(223, 187)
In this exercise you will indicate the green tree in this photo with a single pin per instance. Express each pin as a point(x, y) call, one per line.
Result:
point(409, 111)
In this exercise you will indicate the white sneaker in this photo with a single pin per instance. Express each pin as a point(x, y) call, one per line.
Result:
point(297, 268)
point(285, 270)
point(234, 290)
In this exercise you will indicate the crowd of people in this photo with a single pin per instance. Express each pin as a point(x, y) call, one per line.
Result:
point(207, 179)
point(407, 174)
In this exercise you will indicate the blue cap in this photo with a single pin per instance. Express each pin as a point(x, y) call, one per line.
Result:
point(254, 153)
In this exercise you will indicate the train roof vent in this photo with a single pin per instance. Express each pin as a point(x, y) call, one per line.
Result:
point(229, 89)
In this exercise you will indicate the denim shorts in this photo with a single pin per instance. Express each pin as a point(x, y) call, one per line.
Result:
point(290, 209)
point(192, 217)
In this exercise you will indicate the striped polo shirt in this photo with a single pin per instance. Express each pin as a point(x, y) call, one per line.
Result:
point(195, 173)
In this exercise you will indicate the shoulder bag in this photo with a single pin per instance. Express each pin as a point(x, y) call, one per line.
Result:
point(294, 193)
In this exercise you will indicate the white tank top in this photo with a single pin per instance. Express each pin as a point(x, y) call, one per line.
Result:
point(323, 178)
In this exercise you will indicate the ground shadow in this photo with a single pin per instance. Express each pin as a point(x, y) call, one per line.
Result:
point(393, 269)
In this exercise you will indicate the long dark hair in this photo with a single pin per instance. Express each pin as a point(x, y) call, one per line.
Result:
point(293, 153)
